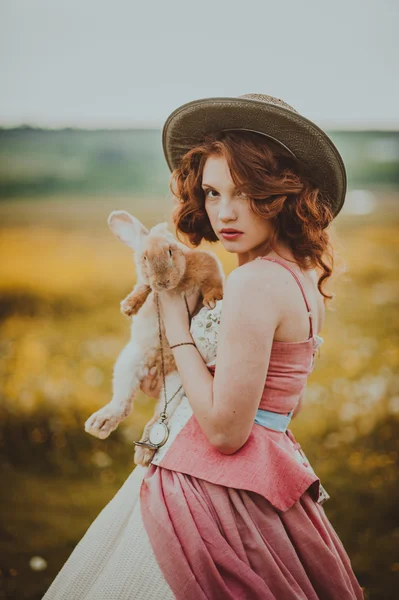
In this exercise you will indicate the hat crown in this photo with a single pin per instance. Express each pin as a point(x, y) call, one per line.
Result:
point(269, 100)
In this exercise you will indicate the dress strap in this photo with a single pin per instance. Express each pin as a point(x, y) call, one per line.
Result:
point(300, 285)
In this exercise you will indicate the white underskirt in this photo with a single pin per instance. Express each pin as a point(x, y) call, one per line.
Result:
point(114, 560)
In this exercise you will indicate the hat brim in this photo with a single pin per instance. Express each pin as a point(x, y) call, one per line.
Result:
point(188, 124)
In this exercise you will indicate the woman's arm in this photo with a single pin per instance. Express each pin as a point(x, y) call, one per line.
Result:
point(225, 405)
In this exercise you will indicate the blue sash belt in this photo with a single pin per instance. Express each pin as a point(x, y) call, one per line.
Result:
point(273, 420)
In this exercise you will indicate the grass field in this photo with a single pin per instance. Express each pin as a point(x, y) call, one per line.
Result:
point(62, 276)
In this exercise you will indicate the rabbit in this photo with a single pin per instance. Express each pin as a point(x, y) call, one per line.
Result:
point(162, 263)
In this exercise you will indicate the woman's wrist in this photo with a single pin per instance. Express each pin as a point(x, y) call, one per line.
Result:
point(178, 336)
point(173, 346)
point(182, 339)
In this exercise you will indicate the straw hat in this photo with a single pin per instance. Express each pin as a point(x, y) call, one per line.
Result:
point(278, 121)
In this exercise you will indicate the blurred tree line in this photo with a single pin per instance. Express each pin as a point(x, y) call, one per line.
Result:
point(40, 162)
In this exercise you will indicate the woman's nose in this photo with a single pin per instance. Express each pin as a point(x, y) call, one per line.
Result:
point(226, 212)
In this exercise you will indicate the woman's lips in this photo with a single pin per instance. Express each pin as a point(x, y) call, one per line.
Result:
point(231, 235)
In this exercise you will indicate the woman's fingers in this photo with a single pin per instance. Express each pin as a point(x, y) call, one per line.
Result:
point(146, 388)
point(192, 301)
point(146, 384)
point(153, 377)
point(150, 383)
point(153, 382)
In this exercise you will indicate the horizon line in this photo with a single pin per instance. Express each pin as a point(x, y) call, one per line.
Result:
point(329, 124)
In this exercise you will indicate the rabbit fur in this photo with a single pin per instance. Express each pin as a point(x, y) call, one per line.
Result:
point(162, 263)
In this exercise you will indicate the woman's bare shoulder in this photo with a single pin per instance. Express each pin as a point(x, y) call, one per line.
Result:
point(255, 283)
point(276, 283)
point(254, 274)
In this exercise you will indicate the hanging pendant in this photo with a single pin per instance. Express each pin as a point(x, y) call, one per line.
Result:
point(158, 434)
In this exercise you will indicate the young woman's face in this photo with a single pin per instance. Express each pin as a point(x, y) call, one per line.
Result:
point(227, 209)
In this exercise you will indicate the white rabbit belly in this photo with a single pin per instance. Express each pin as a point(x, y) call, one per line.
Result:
point(144, 332)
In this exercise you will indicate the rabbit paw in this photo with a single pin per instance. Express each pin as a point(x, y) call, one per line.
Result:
point(102, 422)
point(128, 307)
point(210, 299)
point(143, 455)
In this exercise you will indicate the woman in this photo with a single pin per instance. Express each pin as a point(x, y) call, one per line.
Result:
point(230, 508)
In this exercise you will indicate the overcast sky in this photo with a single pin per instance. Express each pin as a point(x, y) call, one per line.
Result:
point(128, 63)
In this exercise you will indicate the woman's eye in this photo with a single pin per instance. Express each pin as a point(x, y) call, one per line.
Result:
point(213, 191)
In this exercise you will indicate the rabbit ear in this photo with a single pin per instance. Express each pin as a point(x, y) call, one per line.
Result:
point(127, 228)
point(160, 228)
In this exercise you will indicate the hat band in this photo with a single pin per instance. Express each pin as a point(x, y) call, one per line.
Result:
point(265, 134)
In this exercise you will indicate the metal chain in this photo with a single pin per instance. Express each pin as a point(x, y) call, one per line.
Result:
point(163, 414)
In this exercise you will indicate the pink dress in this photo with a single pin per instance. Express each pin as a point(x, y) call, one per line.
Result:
point(248, 525)
point(199, 524)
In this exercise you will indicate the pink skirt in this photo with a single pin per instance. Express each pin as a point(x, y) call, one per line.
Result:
point(217, 542)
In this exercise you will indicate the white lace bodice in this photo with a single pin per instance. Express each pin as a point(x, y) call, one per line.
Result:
point(204, 330)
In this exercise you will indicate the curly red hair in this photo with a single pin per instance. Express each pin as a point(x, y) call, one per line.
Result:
point(278, 188)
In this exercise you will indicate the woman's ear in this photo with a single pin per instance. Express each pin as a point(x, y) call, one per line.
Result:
point(127, 228)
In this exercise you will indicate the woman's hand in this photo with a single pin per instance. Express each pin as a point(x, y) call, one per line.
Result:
point(175, 318)
point(174, 315)
point(151, 385)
